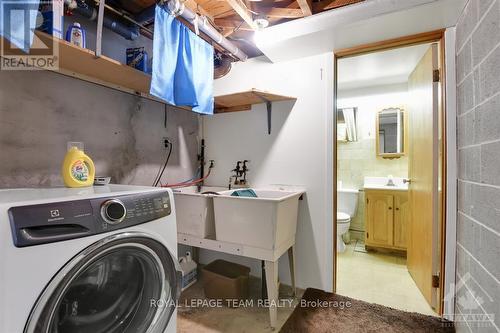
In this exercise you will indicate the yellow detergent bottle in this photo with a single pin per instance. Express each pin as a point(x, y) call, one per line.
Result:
point(78, 169)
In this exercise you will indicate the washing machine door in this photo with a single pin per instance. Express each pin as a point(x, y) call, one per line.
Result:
point(127, 282)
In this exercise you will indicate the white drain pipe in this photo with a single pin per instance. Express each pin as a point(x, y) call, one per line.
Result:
point(177, 8)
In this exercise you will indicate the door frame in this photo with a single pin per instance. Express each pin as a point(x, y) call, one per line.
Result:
point(448, 196)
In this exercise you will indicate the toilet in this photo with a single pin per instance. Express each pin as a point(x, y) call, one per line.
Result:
point(347, 204)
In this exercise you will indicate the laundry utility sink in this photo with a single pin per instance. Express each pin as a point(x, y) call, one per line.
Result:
point(385, 183)
point(267, 221)
point(195, 210)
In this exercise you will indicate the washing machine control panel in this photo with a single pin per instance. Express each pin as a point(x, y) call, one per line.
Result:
point(59, 221)
point(113, 211)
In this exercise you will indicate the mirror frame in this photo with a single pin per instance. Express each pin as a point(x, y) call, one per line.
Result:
point(405, 134)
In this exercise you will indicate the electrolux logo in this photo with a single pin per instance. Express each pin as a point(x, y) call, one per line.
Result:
point(21, 48)
point(55, 215)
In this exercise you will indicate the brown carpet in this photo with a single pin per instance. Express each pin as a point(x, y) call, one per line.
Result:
point(319, 312)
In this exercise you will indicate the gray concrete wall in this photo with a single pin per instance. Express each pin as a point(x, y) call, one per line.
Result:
point(478, 229)
point(41, 111)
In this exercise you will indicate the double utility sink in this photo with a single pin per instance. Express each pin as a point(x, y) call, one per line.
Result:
point(213, 213)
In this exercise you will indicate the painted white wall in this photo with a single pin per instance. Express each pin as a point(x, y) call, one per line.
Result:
point(296, 153)
point(299, 152)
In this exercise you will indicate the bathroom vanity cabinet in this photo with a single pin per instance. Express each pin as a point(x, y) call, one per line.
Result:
point(387, 214)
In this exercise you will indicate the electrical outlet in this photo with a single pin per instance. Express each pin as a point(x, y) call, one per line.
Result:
point(165, 142)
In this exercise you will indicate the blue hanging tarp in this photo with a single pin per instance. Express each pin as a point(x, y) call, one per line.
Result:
point(17, 22)
point(182, 65)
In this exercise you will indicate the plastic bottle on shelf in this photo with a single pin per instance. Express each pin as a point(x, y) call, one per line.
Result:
point(76, 35)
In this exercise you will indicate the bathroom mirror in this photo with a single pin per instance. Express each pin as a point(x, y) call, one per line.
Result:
point(391, 131)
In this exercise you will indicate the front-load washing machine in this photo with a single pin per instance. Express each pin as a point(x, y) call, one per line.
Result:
point(91, 260)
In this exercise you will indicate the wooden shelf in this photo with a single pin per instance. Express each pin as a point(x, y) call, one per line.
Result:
point(243, 101)
point(83, 64)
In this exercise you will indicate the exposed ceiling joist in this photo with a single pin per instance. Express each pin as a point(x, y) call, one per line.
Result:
point(284, 12)
point(242, 10)
point(306, 7)
point(195, 7)
point(232, 24)
point(331, 4)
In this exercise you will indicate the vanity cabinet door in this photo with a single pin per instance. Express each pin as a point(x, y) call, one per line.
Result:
point(379, 218)
point(401, 216)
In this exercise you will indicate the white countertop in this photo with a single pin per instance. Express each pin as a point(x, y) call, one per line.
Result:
point(381, 183)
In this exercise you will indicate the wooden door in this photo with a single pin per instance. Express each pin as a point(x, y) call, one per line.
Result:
point(401, 216)
point(423, 255)
point(380, 219)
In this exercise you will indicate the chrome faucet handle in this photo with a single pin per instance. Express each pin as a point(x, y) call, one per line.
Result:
point(406, 181)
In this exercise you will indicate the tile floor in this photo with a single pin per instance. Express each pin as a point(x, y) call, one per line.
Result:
point(379, 278)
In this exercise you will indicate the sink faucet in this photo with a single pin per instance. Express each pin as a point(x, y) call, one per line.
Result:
point(240, 174)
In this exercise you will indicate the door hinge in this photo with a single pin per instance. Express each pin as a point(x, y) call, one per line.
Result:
point(435, 281)
point(367, 201)
point(367, 235)
point(436, 76)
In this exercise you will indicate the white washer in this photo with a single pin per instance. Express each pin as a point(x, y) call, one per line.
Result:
point(99, 259)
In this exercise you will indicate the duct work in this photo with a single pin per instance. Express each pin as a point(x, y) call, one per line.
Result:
point(130, 33)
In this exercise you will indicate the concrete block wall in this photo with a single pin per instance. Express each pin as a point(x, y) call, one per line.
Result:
point(478, 226)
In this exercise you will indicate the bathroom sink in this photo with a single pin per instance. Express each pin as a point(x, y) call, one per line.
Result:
point(265, 222)
point(384, 183)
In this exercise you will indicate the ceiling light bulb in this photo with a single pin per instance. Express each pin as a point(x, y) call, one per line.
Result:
point(261, 22)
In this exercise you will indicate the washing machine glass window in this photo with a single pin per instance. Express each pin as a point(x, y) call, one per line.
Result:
point(124, 283)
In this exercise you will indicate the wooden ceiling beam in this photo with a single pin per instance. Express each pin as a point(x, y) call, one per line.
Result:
point(232, 24)
point(242, 10)
point(306, 7)
point(331, 4)
point(284, 12)
point(195, 7)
